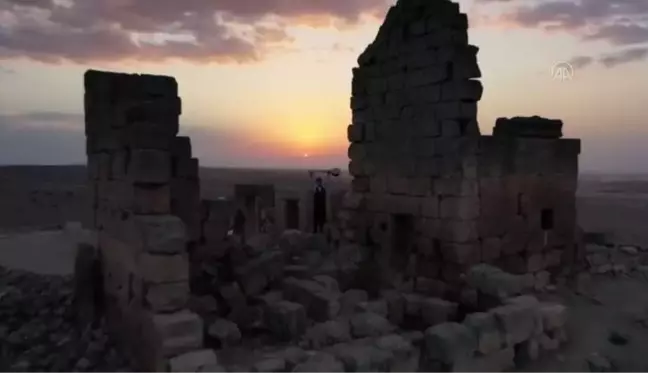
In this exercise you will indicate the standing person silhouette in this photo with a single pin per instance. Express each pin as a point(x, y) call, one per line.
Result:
point(319, 206)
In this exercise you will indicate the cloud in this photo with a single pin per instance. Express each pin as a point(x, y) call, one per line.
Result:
point(580, 62)
point(618, 22)
point(611, 60)
point(623, 57)
point(197, 30)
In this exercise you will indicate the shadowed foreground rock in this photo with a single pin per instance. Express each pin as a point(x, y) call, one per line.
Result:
point(38, 330)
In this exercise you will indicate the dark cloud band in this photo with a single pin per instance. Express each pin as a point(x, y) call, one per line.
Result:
point(197, 30)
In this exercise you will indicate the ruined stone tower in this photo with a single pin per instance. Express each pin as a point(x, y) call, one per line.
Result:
point(432, 195)
point(145, 201)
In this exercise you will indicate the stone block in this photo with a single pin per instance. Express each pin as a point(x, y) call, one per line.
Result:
point(462, 90)
point(430, 287)
point(328, 333)
point(181, 147)
point(320, 304)
point(395, 306)
point(552, 258)
point(163, 111)
point(460, 253)
point(378, 306)
point(458, 231)
point(99, 166)
point(499, 361)
point(535, 262)
point(436, 311)
point(484, 326)
point(153, 136)
point(270, 365)
point(225, 332)
point(286, 320)
point(233, 296)
point(370, 325)
point(430, 207)
point(149, 166)
point(167, 297)
point(457, 187)
point(158, 234)
point(320, 362)
point(491, 249)
point(448, 343)
point(356, 357)
point(195, 361)
point(157, 269)
point(518, 319)
point(493, 281)
point(405, 357)
point(413, 304)
point(554, 316)
point(179, 325)
point(144, 199)
point(350, 300)
point(463, 208)
point(186, 168)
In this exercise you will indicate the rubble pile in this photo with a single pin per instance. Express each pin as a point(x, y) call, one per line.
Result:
point(39, 330)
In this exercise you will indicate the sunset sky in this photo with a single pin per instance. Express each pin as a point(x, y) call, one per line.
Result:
point(266, 82)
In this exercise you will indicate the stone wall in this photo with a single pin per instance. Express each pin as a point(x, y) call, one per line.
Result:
point(141, 174)
point(430, 194)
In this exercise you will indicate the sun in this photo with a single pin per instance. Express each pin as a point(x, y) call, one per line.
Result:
point(306, 155)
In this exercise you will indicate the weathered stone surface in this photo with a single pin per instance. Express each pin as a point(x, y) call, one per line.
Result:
point(436, 311)
point(328, 333)
point(320, 362)
point(369, 325)
point(355, 357)
point(519, 319)
point(484, 326)
point(195, 361)
point(449, 343)
point(225, 332)
point(494, 282)
point(163, 234)
point(270, 365)
point(350, 300)
point(320, 304)
point(286, 320)
point(554, 316)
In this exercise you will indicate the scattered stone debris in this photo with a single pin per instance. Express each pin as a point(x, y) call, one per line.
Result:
point(39, 330)
point(598, 363)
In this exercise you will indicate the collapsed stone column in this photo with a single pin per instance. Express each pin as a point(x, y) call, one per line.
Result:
point(135, 163)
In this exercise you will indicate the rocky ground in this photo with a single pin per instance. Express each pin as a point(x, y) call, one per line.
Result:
point(37, 329)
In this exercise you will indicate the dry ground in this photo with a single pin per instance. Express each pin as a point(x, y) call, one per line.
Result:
point(44, 198)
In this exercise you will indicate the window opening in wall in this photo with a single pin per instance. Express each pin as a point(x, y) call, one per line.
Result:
point(547, 219)
point(402, 237)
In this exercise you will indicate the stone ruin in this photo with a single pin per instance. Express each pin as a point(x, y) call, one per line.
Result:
point(438, 248)
point(430, 192)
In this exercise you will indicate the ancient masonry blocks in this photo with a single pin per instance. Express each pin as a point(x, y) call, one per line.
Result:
point(429, 192)
point(146, 211)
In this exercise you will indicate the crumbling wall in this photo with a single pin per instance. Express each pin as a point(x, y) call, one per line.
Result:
point(527, 188)
point(134, 167)
point(430, 194)
point(414, 138)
